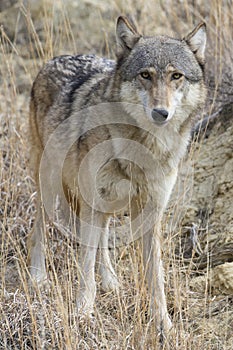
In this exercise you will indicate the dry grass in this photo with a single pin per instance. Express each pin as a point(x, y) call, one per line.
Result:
point(47, 319)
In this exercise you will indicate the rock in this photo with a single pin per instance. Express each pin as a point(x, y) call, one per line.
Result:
point(222, 278)
point(212, 166)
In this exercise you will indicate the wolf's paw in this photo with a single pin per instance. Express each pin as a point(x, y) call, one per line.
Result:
point(109, 282)
point(167, 324)
point(166, 333)
point(85, 306)
point(162, 324)
point(169, 339)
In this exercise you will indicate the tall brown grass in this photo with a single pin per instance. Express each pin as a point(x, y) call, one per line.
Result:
point(42, 319)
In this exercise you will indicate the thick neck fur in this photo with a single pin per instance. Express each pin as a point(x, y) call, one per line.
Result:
point(168, 143)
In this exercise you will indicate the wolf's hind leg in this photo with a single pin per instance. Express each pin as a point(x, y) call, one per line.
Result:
point(36, 247)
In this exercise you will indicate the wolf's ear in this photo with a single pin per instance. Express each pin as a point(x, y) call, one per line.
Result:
point(197, 41)
point(126, 34)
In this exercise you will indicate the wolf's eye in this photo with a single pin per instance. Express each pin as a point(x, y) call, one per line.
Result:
point(176, 76)
point(145, 75)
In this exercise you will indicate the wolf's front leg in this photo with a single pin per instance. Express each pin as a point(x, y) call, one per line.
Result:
point(155, 278)
point(108, 275)
point(91, 225)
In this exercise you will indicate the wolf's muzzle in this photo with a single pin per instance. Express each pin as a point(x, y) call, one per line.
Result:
point(159, 115)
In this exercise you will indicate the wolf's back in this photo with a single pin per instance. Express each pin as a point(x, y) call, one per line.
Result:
point(55, 86)
point(68, 73)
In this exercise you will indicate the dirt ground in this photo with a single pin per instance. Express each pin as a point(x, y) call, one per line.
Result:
point(198, 225)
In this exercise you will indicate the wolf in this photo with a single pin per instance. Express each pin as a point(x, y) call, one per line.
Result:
point(123, 125)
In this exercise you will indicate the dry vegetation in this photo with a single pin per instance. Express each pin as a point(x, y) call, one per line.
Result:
point(198, 257)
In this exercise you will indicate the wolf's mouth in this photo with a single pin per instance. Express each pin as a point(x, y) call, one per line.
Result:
point(160, 123)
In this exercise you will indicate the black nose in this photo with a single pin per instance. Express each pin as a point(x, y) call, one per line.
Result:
point(159, 115)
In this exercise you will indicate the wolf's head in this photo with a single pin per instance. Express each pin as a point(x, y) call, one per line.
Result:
point(164, 74)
